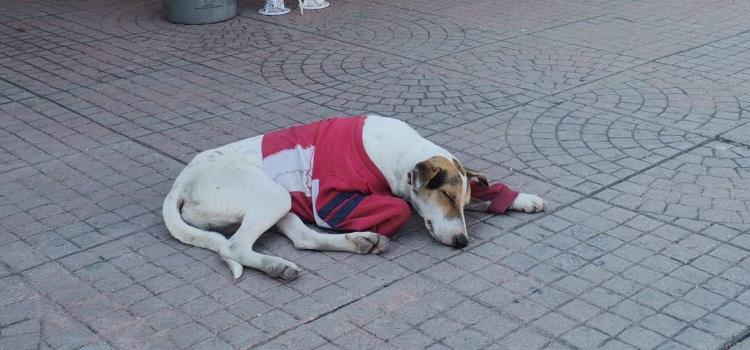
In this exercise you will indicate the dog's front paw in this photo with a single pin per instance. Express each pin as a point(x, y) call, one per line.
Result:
point(528, 203)
point(368, 242)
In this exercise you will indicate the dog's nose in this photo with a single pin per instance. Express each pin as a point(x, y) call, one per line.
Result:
point(460, 241)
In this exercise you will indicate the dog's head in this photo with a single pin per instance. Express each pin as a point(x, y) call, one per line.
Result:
point(439, 192)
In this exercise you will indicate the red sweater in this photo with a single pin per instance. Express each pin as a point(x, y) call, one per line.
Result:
point(332, 180)
point(335, 184)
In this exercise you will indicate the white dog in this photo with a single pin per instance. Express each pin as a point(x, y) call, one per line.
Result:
point(353, 174)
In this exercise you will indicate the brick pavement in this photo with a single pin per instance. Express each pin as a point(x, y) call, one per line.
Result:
point(629, 117)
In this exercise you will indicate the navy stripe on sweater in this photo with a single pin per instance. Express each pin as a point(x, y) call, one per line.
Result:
point(335, 202)
point(345, 210)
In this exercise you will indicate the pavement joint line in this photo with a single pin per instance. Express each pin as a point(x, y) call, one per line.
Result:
point(744, 335)
point(732, 142)
point(699, 46)
point(536, 35)
point(426, 135)
point(654, 165)
point(722, 138)
point(540, 98)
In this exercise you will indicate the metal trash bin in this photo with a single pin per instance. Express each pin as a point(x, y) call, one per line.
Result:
point(199, 11)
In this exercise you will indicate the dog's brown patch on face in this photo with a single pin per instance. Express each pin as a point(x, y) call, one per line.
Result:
point(441, 181)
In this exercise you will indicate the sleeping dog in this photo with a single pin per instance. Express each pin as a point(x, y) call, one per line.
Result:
point(355, 174)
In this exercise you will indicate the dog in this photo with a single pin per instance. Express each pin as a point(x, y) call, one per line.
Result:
point(353, 173)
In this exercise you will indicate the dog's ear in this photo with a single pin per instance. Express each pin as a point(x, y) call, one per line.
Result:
point(426, 175)
point(473, 174)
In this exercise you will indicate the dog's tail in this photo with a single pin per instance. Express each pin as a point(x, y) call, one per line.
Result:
point(192, 235)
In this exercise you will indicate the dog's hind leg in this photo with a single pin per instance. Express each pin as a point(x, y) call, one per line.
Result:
point(269, 204)
point(305, 237)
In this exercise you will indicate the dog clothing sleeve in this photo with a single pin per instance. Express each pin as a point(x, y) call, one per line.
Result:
point(499, 195)
point(353, 211)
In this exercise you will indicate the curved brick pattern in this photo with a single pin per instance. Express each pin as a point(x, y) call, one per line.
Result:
point(318, 65)
point(412, 34)
point(676, 97)
point(538, 64)
point(708, 185)
point(430, 98)
point(566, 143)
point(355, 80)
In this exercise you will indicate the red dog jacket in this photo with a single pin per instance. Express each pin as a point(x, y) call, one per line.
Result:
point(334, 183)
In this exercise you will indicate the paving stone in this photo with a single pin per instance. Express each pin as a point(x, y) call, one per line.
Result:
point(698, 339)
point(641, 338)
point(555, 323)
point(584, 337)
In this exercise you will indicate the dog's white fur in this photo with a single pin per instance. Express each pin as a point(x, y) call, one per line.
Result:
point(228, 185)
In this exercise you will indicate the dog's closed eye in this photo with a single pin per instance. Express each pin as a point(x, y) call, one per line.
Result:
point(449, 197)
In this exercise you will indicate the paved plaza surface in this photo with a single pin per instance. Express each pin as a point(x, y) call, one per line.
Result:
point(630, 117)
